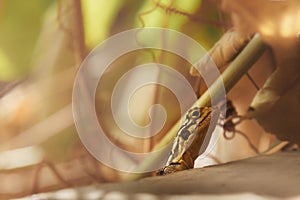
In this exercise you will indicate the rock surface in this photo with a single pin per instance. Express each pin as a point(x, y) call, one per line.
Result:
point(273, 177)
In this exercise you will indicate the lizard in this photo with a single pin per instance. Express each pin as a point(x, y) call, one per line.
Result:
point(190, 138)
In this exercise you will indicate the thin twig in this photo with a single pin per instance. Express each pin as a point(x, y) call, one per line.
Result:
point(7, 87)
point(70, 19)
point(252, 81)
point(248, 140)
point(80, 29)
point(53, 169)
point(172, 10)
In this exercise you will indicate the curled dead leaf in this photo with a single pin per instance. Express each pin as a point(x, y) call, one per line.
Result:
point(277, 105)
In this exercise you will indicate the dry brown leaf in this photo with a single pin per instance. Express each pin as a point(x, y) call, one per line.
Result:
point(224, 51)
point(277, 105)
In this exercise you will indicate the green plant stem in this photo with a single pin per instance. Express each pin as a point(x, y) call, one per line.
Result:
point(234, 72)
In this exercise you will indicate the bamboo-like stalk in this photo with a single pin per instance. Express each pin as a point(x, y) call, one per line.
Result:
point(237, 68)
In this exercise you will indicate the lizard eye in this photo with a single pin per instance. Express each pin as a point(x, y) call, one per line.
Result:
point(196, 113)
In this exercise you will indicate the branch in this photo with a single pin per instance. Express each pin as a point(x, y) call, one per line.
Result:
point(237, 68)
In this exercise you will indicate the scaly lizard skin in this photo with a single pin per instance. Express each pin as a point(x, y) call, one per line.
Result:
point(190, 138)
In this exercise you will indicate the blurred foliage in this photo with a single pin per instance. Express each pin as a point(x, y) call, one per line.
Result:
point(197, 19)
point(48, 35)
point(200, 22)
point(108, 11)
point(20, 23)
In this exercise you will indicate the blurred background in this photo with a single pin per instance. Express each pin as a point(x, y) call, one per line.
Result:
point(42, 44)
